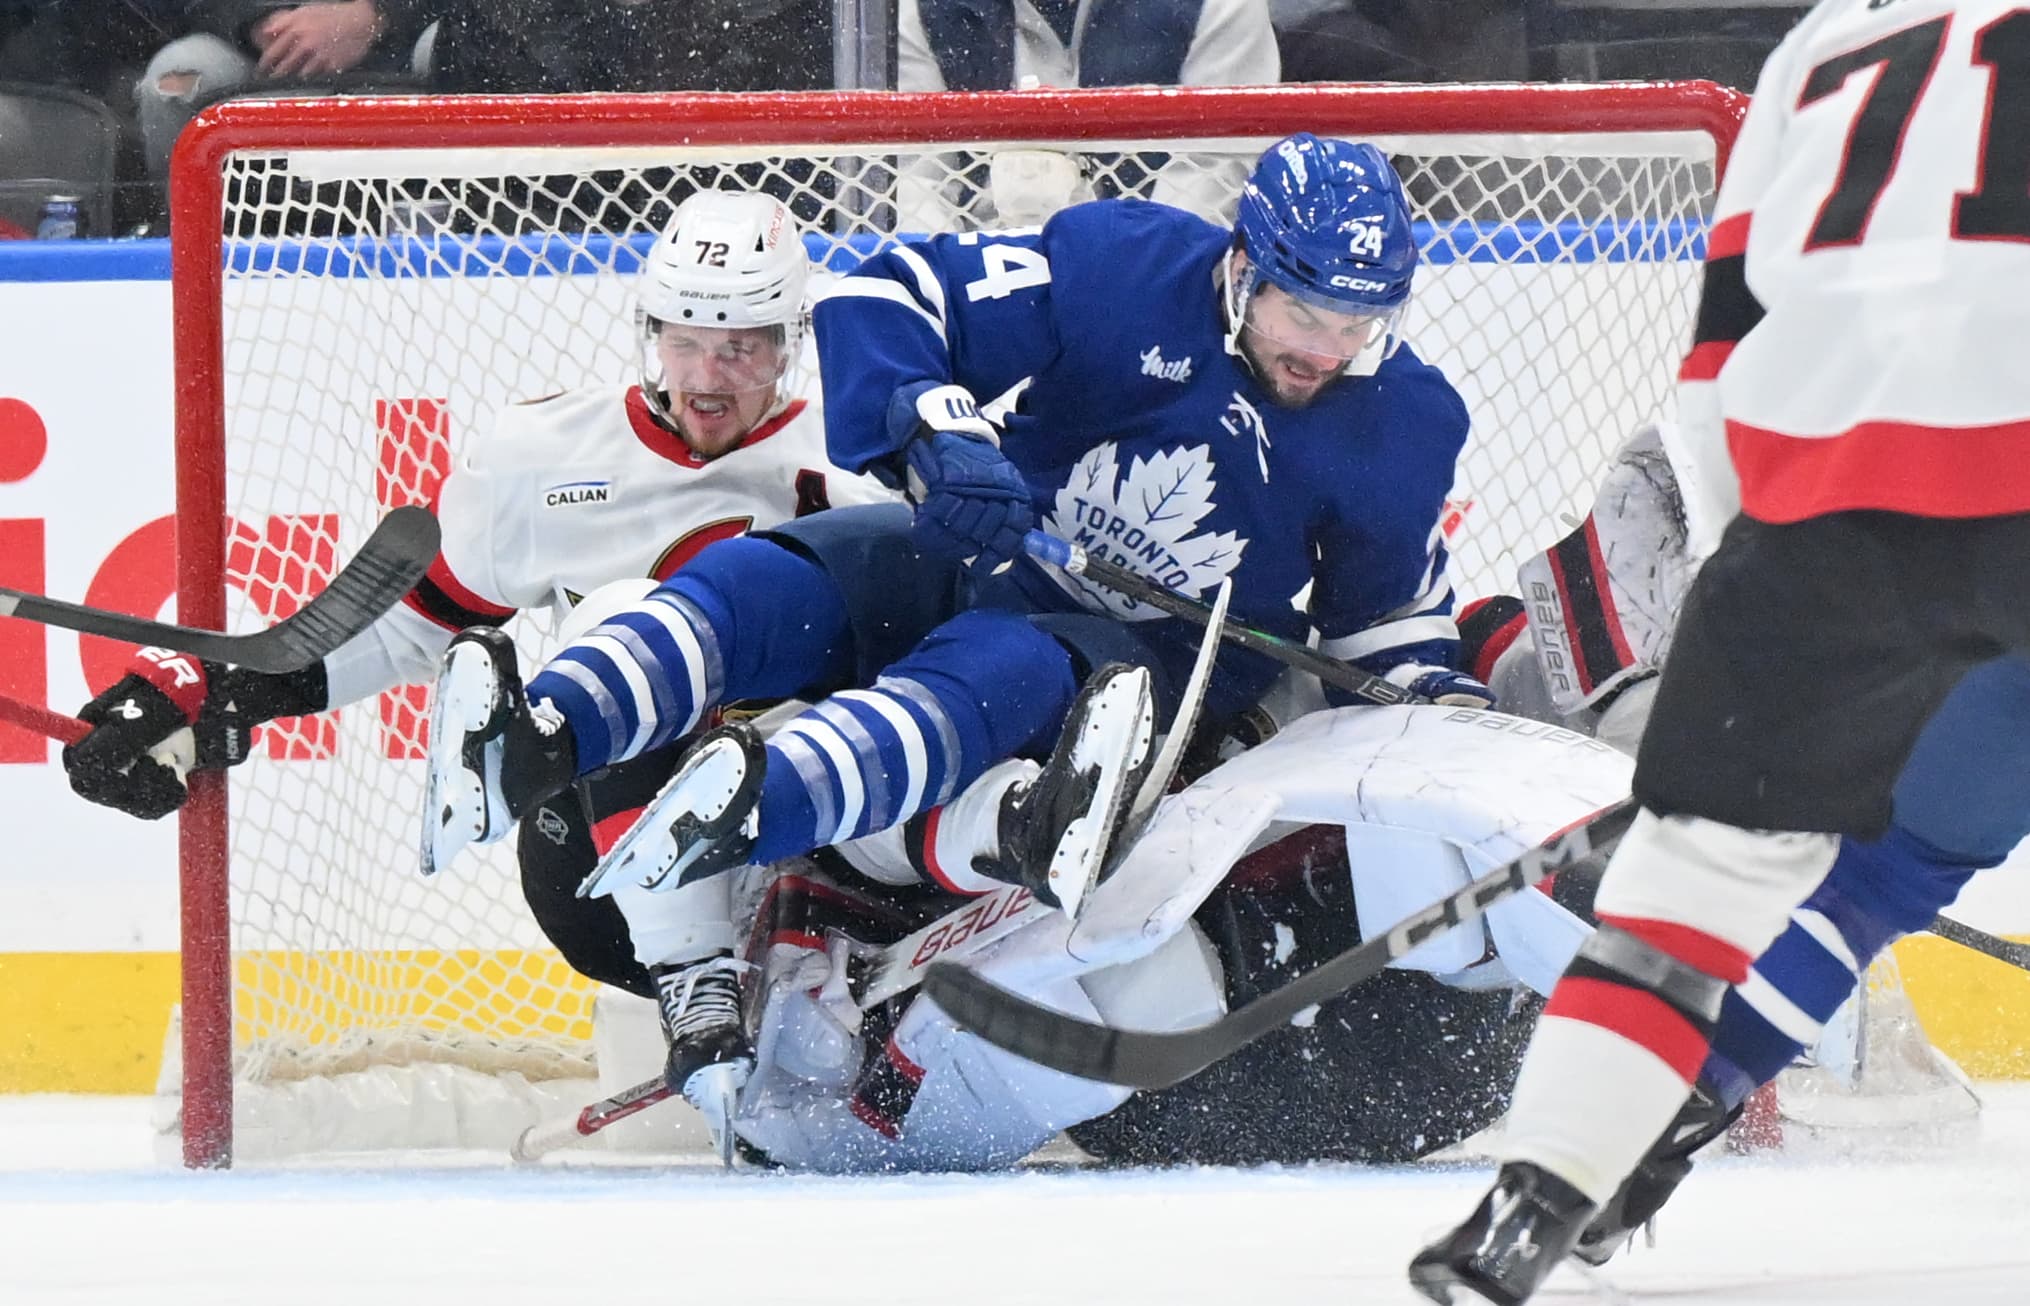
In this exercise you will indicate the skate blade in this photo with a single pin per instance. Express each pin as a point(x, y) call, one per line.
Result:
point(1082, 851)
point(715, 1092)
point(671, 831)
point(455, 808)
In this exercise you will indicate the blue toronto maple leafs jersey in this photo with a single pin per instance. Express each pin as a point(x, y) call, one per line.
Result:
point(1098, 342)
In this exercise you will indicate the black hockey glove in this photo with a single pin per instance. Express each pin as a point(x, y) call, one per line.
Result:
point(134, 761)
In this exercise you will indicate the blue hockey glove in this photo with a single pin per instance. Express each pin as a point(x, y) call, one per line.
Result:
point(970, 501)
point(1450, 688)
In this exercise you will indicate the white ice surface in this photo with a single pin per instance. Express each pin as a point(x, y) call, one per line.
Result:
point(87, 1216)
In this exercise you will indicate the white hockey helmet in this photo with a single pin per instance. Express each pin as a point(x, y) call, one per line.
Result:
point(728, 260)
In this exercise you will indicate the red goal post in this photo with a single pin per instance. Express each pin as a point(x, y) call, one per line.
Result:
point(313, 238)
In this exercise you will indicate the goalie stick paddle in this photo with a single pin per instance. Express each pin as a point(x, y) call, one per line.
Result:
point(1145, 1059)
point(1073, 559)
point(387, 567)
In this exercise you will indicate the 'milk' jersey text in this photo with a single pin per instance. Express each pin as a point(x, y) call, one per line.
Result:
point(1098, 341)
point(1860, 338)
point(575, 491)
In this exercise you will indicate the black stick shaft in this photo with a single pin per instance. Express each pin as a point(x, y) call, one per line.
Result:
point(1073, 559)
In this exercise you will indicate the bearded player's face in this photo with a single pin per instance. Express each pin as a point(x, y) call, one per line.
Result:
point(1297, 349)
point(721, 381)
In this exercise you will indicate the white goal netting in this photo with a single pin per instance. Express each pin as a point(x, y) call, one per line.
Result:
point(382, 300)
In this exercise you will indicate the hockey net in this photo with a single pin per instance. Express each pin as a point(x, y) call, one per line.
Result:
point(361, 284)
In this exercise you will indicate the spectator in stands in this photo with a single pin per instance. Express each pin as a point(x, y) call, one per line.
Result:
point(1389, 41)
point(984, 45)
point(626, 45)
point(974, 45)
point(92, 46)
point(234, 44)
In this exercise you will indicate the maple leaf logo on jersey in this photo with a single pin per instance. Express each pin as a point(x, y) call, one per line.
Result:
point(1145, 522)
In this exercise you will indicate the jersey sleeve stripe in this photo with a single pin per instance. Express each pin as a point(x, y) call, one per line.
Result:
point(1703, 362)
point(893, 292)
point(928, 288)
point(440, 597)
point(1729, 237)
point(1390, 635)
point(1728, 309)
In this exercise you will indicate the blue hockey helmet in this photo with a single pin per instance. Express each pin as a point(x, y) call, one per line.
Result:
point(1327, 223)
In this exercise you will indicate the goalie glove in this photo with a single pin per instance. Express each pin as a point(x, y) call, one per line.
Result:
point(971, 502)
point(172, 714)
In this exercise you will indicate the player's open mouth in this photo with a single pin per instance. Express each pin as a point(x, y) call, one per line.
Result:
point(1301, 373)
point(707, 405)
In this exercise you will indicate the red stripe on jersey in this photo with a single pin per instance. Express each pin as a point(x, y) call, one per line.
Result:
point(1923, 471)
point(665, 443)
point(1694, 947)
point(1603, 589)
point(456, 590)
point(1728, 238)
point(1637, 1015)
point(415, 605)
point(1704, 361)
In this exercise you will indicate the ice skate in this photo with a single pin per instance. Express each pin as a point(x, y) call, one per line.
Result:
point(1669, 1160)
point(710, 1053)
point(702, 822)
point(1509, 1245)
point(1054, 832)
point(491, 754)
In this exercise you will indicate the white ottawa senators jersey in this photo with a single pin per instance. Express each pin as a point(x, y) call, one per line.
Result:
point(571, 492)
point(1865, 304)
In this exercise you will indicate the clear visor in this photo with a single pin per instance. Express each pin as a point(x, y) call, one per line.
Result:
point(1352, 336)
point(699, 360)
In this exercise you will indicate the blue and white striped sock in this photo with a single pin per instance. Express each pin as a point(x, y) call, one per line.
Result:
point(638, 680)
point(861, 761)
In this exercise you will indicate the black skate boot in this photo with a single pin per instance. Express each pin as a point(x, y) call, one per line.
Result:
point(700, 823)
point(1701, 1120)
point(492, 756)
point(1054, 832)
point(1509, 1245)
point(710, 1053)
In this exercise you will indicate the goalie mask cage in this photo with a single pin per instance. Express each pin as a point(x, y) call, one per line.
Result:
point(360, 283)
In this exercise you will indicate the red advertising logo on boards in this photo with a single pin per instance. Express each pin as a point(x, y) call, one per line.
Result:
point(277, 562)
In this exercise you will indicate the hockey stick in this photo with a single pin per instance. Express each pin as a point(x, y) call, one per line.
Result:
point(386, 567)
point(1074, 560)
point(51, 725)
point(539, 1140)
point(1988, 945)
point(1144, 1059)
